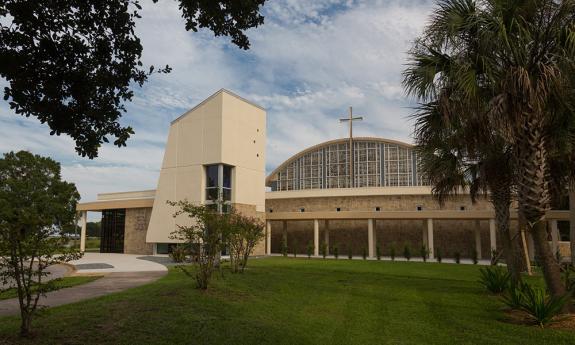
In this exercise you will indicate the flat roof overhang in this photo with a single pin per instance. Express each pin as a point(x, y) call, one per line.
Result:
point(402, 215)
point(115, 204)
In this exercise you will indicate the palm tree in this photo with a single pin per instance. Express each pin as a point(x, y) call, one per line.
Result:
point(515, 56)
point(453, 160)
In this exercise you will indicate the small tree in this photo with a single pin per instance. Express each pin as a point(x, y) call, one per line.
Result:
point(364, 253)
point(35, 206)
point(457, 257)
point(349, 253)
point(242, 235)
point(424, 252)
point(309, 250)
point(207, 230)
point(295, 247)
point(378, 252)
point(407, 252)
point(284, 247)
point(323, 249)
point(335, 250)
point(474, 256)
point(438, 255)
point(392, 252)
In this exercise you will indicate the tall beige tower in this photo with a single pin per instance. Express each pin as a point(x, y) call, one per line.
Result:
point(216, 148)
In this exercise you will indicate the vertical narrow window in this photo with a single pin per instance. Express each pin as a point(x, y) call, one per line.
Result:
point(219, 186)
point(212, 183)
point(227, 183)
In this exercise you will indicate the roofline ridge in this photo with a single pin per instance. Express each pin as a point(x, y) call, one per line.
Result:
point(222, 90)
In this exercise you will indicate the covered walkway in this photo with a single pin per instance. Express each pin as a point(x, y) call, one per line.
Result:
point(426, 216)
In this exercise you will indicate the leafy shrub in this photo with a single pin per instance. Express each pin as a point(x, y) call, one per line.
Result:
point(392, 252)
point(336, 251)
point(294, 248)
point(541, 307)
point(568, 272)
point(494, 278)
point(364, 253)
point(378, 252)
point(179, 254)
point(349, 254)
point(438, 255)
point(323, 249)
point(284, 247)
point(407, 252)
point(309, 250)
point(474, 256)
point(514, 296)
point(494, 257)
point(558, 257)
point(457, 256)
point(424, 253)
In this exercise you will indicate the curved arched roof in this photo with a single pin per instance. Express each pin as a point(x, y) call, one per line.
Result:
point(328, 143)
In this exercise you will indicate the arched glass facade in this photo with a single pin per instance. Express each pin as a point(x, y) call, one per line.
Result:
point(376, 163)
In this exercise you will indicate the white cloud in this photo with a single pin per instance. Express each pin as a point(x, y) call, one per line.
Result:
point(308, 63)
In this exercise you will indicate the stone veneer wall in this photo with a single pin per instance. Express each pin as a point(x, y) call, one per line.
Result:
point(137, 220)
point(250, 211)
point(450, 236)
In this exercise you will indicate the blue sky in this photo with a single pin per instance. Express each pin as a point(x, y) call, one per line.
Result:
point(307, 64)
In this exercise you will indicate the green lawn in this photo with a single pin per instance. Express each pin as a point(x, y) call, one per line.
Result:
point(92, 244)
point(61, 283)
point(296, 301)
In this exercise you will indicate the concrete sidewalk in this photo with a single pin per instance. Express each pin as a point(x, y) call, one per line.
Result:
point(114, 263)
point(110, 283)
point(55, 272)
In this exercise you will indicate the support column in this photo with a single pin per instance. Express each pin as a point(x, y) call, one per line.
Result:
point(315, 237)
point(424, 233)
point(284, 237)
point(554, 236)
point(268, 237)
point(326, 237)
point(430, 238)
point(370, 238)
point(492, 236)
point(478, 238)
point(84, 221)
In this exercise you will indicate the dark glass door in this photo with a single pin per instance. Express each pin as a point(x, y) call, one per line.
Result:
point(112, 235)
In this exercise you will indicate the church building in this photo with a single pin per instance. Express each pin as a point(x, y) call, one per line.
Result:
point(358, 195)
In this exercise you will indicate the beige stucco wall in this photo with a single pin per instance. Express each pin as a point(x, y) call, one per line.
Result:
point(223, 129)
point(137, 220)
point(449, 235)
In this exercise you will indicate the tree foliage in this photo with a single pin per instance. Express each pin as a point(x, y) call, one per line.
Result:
point(241, 238)
point(35, 205)
point(509, 66)
point(204, 227)
point(212, 232)
point(72, 64)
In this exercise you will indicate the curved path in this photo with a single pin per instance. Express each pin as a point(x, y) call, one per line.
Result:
point(121, 272)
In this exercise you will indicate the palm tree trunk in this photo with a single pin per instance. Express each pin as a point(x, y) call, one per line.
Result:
point(572, 219)
point(501, 199)
point(533, 195)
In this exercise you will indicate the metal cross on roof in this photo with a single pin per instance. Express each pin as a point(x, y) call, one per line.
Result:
point(350, 119)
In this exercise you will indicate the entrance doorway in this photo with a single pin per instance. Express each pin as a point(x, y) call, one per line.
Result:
point(112, 233)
